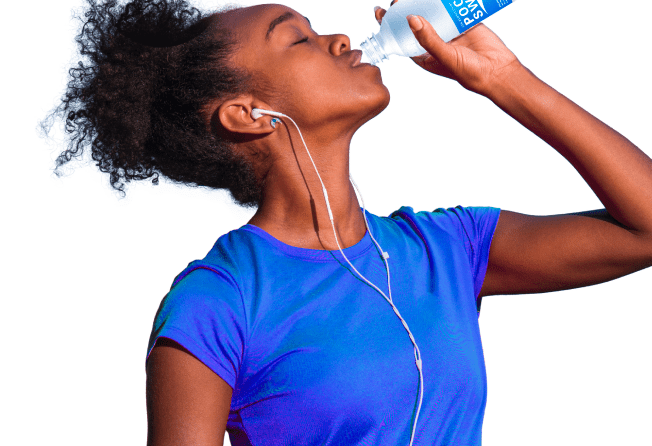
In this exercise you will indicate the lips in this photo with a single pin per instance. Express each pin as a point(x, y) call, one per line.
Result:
point(355, 57)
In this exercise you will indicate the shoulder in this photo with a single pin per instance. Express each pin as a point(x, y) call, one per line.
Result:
point(215, 278)
point(458, 222)
point(222, 263)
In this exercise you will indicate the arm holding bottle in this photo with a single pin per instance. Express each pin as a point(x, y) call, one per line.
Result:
point(534, 254)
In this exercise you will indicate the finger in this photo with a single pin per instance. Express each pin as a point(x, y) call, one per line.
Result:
point(431, 42)
point(379, 13)
point(429, 63)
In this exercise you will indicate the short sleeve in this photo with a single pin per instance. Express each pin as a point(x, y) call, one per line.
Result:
point(478, 225)
point(204, 313)
point(473, 227)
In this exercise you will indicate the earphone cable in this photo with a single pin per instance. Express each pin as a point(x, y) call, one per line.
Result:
point(384, 255)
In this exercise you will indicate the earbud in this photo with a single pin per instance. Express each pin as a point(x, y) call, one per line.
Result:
point(259, 112)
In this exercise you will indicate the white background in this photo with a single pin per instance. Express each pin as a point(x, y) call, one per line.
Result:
point(84, 272)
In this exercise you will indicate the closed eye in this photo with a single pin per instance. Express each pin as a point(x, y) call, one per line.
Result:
point(302, 41)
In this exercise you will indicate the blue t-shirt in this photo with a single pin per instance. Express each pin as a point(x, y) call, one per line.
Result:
point(316, 356)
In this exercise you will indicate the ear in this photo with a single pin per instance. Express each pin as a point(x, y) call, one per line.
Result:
point(234, 115)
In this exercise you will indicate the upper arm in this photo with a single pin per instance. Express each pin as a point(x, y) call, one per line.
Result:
point(187, 403)
point(531, 254)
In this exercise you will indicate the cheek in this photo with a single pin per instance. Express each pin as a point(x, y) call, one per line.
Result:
point(358, 91)
point(322, 91)
point(308, 88)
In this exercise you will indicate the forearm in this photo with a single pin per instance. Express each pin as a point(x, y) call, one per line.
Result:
point(619, 173)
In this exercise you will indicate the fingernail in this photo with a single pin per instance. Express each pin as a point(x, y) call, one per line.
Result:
point(414, 22)
point(376, 8)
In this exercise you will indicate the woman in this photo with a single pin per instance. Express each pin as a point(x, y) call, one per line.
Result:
point(273, 330)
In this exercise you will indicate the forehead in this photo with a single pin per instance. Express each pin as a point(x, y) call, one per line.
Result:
point(252, 23)
point(249, 27)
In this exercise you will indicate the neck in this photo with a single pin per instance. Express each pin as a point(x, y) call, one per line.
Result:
point(294, 209)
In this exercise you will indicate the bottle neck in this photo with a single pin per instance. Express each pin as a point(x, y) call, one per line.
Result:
point(374, 50)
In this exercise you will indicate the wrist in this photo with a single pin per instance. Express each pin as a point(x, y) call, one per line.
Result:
point(529, 100)
point(510, 83)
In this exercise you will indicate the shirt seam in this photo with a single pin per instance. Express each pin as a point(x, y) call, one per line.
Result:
point(216, 269)
point(473, 262)
point(478, 298)
point(244, 428)
point(416, 229)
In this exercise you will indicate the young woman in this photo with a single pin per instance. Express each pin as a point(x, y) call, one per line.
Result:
point(291, 331)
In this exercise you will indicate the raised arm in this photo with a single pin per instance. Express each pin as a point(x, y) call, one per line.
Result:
point(538, 254)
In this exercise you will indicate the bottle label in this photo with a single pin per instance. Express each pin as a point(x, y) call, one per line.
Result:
point(468, 13)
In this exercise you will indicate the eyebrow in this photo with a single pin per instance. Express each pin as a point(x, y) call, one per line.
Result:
point(284, 18)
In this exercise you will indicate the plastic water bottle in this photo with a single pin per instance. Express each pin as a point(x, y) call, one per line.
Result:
point(450, 18)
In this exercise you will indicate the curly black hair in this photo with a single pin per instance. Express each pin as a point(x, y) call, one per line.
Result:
point(149, 69)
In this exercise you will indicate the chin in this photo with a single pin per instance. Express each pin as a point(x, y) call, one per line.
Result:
point(382, 104)
point(377, 107)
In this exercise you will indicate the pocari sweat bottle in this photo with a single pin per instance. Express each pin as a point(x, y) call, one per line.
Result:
point(450, 18)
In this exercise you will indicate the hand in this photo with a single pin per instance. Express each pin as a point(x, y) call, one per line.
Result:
point(477, 59)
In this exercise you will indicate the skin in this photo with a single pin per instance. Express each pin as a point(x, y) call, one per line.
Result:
point(330, 100)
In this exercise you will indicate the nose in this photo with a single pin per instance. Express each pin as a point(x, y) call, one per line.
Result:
point(340, 43)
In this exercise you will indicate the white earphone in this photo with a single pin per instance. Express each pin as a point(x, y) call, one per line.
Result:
point(258, 113)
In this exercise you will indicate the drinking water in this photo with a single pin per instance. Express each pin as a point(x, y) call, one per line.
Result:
point(450, 18)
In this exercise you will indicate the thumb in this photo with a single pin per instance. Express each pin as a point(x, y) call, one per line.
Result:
point(431, 42)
